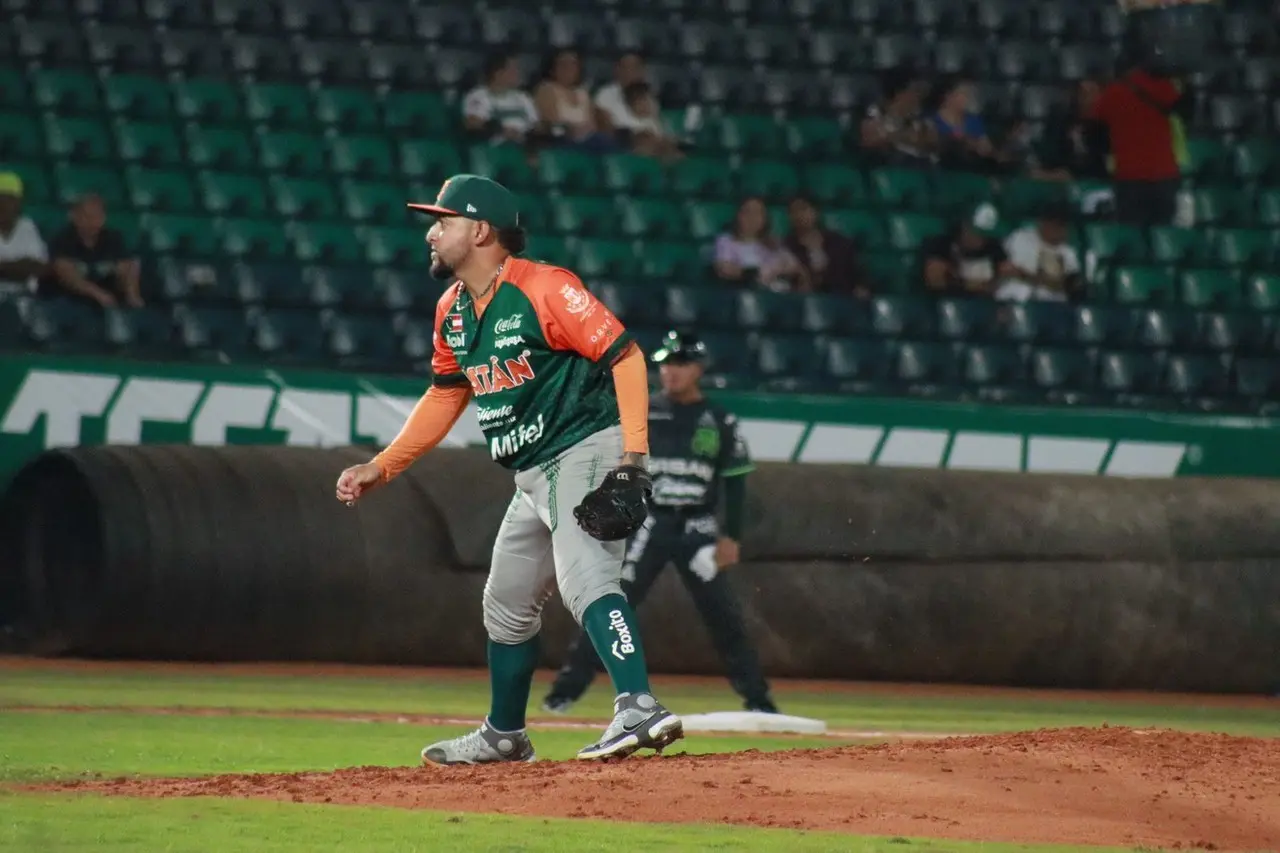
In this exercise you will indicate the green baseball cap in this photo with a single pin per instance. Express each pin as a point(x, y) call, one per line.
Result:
point(475, 197)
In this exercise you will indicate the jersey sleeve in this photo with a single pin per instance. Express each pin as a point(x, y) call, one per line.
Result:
point(735, 458)
point(445, 370)
point(572, 318)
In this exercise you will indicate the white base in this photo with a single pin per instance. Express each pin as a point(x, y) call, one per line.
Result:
point(752, 721)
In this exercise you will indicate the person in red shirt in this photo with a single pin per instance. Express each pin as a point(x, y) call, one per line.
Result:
point(1138, 109)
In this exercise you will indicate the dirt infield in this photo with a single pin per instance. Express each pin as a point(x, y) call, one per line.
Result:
point(1110, 785)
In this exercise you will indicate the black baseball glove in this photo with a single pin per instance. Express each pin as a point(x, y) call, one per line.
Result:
point(619, 506)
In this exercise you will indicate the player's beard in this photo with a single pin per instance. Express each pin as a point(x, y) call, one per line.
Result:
point(441, 271)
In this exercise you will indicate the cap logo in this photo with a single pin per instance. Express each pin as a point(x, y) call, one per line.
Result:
point(443, 188)
point(471, 208)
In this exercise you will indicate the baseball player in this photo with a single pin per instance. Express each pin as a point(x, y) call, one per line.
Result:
point(696, 453)
point(562, 398)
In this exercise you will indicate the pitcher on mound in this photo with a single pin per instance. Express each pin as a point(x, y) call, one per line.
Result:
point(562, 398)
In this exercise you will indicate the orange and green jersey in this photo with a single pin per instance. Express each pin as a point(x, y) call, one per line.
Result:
point(536, 357)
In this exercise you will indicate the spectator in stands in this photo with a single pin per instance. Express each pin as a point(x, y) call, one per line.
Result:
point(564, 105)
point(499, 110)
point(613, 112)
point(24, 257)
point(1046, 265)
point(1139, 110)
point(749, 254)
point(829, 258)
point(1074, 144)
point(963, 142)
point(642, 127)
point(967, 260)
point(91, 259)
point(893, 130)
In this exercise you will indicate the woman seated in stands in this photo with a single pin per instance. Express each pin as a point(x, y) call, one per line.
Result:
point(564, 104)
point(963, 143)
point(749, 254)
point(893, 131)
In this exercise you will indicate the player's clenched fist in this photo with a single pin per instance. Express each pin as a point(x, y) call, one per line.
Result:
point(358, 480)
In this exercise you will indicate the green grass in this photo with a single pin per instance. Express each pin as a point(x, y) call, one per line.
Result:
point(45, 746)
point(47, 824)
point(841, 709)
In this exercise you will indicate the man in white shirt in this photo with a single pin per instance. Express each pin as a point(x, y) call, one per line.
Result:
point(612, 109)
point(499, 109)
point(1046, 266)
point(23, 254)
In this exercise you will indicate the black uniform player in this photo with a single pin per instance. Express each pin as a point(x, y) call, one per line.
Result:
point(695, 452)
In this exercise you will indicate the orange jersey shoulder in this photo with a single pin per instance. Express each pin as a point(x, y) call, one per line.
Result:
point(571, 317)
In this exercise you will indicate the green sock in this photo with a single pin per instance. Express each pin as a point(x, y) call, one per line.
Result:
point(511, 671)
point(611, 624)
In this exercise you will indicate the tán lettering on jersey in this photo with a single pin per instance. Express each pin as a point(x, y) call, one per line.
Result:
point(500, 374)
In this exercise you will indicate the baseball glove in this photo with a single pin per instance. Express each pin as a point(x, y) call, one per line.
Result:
point(618, 507)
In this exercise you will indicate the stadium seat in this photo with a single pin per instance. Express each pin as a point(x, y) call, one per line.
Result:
point(833, 183)
point(902, 316)
point(900, 188)
point(1102, 325)
point(955, 194)
point(1219, 206)
point(605, 258)
point(233, 194)
point(1269, 207)
point(779, 356)
point(150, 144)
point(1192, 376)
point(506, 164)
point(816, 138)
point(1258, 379)
point(999, 368)
point(66, 92)
point(708, 219)
point(19, 137)
point(64, 324)
point(1024, 198)
point(289, 337)
point(1256, 161)
point(348, 110)
point(653, 218)
point(140, 333)
point(13, 89)
point(151, 189)
point(296, 153)
point(926, 368)
point(273, 283)
point(1170, 245)
point(833, 314)
point(908, 230)
point(587, 216)
point(77, 139)
point(674, 261)
point(1160, 328)
point(73, 181)
point(364, 156)
point(773, 180)
point(428, 159)
point(768, 311)
point(261, 239)
point(634, 305)
point(1039, 323)
point(220, 147)
point(1139, 285)
point(1262, 292)
point(1060, 370)
point(363, 343)
point(857, 365)
point(138, 97)
point(629, 173)
point(1115, 244)
point(729, 356)
point(191, 53)
point(966, 319)
point(1208, 159)
point(325, 243)
point(700, 307)
point(393, 246)
point(279, 105)
point(194, 280)
point(1209, 288)
point(207, 101)
point(568, 170)
point(702, 177)
point(1232, 332)
point(893, 272)
point(1128, 372)
point(1251, 248)
point(372, 202)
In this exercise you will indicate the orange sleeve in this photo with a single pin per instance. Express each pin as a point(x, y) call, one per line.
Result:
point(445, 370)
point(572, 318)
point(427, 425)
point(631, 381)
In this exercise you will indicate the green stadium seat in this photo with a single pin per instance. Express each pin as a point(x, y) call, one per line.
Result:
point(430, 160)
point(296, 153)
point(833, 183)
point(64, 325)
point(908, 230)
point(396, 247)
point(858, 365)
point(900, 188)
point(289, 337)
point(20, 137)
point(956, 193)
point(966, 319)
point(568, 170)
point(66, 91)
point(348, 110)
point(1060, 370)
point(153, 189)
point(832, 314)
point(1209, 288)
point(551, 249)
point(815, 138)
point(325, 243)
point(926, 368)
point(1245, 248)
point(535, 207)
point(902, 316)
point(774, 180)
point(13, 90)
point(150, 143)
point(371, 202)
point(1141, 285)
point(786, 356)
point(632, 174)
point(652, 218)
point(271, 283)
point(1170, 245)
point(261, 239)
point(702, 177)
point(634, 305)
point(1102, 325)
point(866, 227)
point(233, 194)
point(420, 113)
point(1195, 376)
point(1231, 333)
point(1258, 378)
point(1262, 292)
point(593, 216)
point(752, 135)
point(994, 365)
point(37, 188)
point(1269, 207)
point(138, 97)
point(230, 148)
point(674, 261)
point(1161, 328)
point(210, 330)
point(49, 218)
point(1219, 206)
point(279, 105)
point(1024, 198)
point(1128, 372)
point(765, 310)
point(335, 287)
point(1256, 161)
point(75, 181)
point(306, 198)
point(195, 281)
point(1112, 243)
point(190, 236)
point(699, 307)
point(506, 164)
point(1208, 159)
point(77, 138)
point(207, 101)
point(731, 361)
point(365, 156)
point(603, 258)
point(707, 219)
point(893, 272)
point(363, 343)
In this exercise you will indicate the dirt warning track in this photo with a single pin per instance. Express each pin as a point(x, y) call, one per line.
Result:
point(1111, 785)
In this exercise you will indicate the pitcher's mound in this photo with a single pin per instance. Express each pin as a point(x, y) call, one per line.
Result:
point(1070, 786)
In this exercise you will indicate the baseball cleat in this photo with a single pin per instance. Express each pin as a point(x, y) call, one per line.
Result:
point(483, 746)
point(557, 704)
point(639, 722)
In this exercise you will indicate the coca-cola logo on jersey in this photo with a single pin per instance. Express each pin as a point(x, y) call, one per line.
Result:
point(509, 324)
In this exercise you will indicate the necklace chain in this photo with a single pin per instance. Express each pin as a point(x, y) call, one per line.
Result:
point(496, 273)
